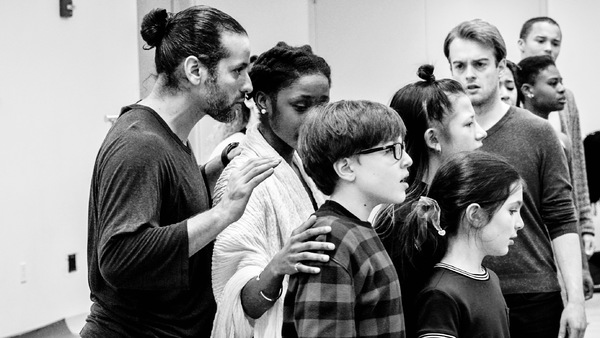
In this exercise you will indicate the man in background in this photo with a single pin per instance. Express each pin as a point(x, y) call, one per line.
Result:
point(477, 55)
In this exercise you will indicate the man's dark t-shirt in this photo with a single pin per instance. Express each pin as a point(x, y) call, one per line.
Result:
point(146, 184)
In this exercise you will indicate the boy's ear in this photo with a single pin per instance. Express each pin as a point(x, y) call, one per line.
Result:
point(194, 70)
point(475, 215)
point(431, 140)
point(344, 168)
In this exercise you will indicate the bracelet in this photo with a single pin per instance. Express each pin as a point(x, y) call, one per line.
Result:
point(272, 300)
point(225, 152)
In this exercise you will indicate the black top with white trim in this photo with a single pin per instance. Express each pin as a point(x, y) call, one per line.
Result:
point(456, 303)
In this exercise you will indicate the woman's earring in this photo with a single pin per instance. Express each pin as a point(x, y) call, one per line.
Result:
point(263, 111)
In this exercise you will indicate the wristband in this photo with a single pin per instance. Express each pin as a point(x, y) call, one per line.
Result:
point(225, 152)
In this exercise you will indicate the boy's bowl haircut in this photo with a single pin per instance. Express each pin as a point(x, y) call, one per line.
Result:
point(341, 129)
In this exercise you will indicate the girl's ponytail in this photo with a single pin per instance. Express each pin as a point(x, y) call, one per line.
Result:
point(428, 211)
point(425, 233)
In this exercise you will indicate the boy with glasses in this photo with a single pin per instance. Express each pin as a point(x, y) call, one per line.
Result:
point(354, 152)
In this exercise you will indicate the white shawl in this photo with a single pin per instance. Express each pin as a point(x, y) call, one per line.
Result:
point(277, 206)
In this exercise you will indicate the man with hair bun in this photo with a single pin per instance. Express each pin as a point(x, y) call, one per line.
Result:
point(477, 55)
point(151, 229)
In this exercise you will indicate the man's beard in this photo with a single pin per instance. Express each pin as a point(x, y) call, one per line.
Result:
point(219, 108)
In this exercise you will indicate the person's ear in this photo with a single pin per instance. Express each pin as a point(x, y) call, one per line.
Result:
point(194, 70)
point(527, 90)
point(501, 67)
point(475, 215)
point(521, 44)
point(344, 168)
point(432, 140)
point(263, 103)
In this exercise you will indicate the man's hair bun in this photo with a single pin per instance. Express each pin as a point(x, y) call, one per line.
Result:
point(154, 26)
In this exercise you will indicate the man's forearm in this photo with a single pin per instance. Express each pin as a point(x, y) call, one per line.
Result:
point(568, 257)
point(205, 227)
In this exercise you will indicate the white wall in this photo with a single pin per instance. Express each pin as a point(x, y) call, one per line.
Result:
point(373, 47)
point(59, 77)
point(266, 21)
point(508, 17)
point(376, 47)
point(580, 49)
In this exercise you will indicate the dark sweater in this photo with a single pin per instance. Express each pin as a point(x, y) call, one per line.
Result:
point(530, 144)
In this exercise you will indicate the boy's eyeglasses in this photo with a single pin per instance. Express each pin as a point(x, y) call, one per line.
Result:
point(398, 150)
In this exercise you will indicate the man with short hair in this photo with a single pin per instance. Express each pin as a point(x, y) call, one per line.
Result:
point(476, 52)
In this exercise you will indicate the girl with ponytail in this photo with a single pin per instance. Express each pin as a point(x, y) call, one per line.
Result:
point(472, 210)
point(440, 121)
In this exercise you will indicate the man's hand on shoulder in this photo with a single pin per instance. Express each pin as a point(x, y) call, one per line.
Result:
point(241, 184)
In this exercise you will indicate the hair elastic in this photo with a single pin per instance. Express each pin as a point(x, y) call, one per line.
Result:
point(224, 159)
point(428, 210)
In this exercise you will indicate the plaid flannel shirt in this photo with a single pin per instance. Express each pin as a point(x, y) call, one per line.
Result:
point(356, 294)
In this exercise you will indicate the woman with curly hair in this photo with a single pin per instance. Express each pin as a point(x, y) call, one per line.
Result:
point(253, 256)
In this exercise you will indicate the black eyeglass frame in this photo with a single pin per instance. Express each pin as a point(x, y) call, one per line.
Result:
point(397, 154)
